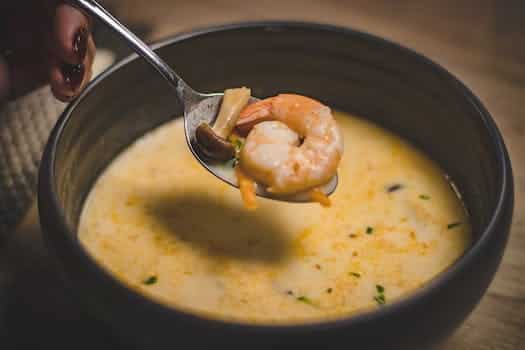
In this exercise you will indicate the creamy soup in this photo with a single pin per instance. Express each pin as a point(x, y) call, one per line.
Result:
point(167, 228)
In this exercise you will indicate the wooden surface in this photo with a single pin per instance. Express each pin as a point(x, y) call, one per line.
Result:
point(481, 42)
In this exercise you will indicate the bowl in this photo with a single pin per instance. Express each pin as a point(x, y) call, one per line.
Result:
point(346, 69)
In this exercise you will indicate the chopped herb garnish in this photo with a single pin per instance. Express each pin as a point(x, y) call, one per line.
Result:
point(380, 297)
point(454, 224)
point(369, 230)
point(150, 280)
point(329, 290)
point(394, 187)
point(424, 197)
point(237, 143)
point(355, 274)
point(305, 300)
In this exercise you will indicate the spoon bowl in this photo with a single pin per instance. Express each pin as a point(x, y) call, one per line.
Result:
point(206, 111)
point(198, 107)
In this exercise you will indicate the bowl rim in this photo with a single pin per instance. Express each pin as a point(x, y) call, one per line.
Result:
point(47, 189)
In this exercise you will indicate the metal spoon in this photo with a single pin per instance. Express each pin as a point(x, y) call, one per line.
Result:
point(198, 107)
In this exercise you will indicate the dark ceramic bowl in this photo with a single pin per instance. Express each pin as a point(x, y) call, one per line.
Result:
point(348, 70)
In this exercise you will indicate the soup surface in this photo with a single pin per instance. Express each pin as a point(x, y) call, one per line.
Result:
point(166, 227)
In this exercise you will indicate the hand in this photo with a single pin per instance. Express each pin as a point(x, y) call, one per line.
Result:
point(48, 41)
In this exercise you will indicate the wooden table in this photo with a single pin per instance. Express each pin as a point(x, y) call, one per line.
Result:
point(480, 41)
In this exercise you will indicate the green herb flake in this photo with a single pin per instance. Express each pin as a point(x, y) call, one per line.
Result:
point(150, 280)
point(452, 225)
point(355, 274)
point(380, 299)
point(237, 143)
point(305, 300)
point(369, 230)
point(424, 197)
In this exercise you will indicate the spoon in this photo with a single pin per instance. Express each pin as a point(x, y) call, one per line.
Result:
point(198, 107)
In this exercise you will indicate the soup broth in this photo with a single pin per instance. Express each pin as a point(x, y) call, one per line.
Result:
point(167, 228)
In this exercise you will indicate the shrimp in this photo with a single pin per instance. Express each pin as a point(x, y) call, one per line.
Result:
point(293, 143)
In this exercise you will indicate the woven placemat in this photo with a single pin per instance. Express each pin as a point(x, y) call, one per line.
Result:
point(25, 125)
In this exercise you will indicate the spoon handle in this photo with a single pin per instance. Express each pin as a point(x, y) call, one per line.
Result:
point(98, 11)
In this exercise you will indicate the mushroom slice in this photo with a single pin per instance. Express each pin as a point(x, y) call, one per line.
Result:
point(213, 141)
point(213, 145)
point(233, 101)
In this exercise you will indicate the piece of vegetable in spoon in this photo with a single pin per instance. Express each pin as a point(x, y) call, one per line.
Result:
point(212, 145)
point(316, 195)
point(213, 141)
point(247, 188)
